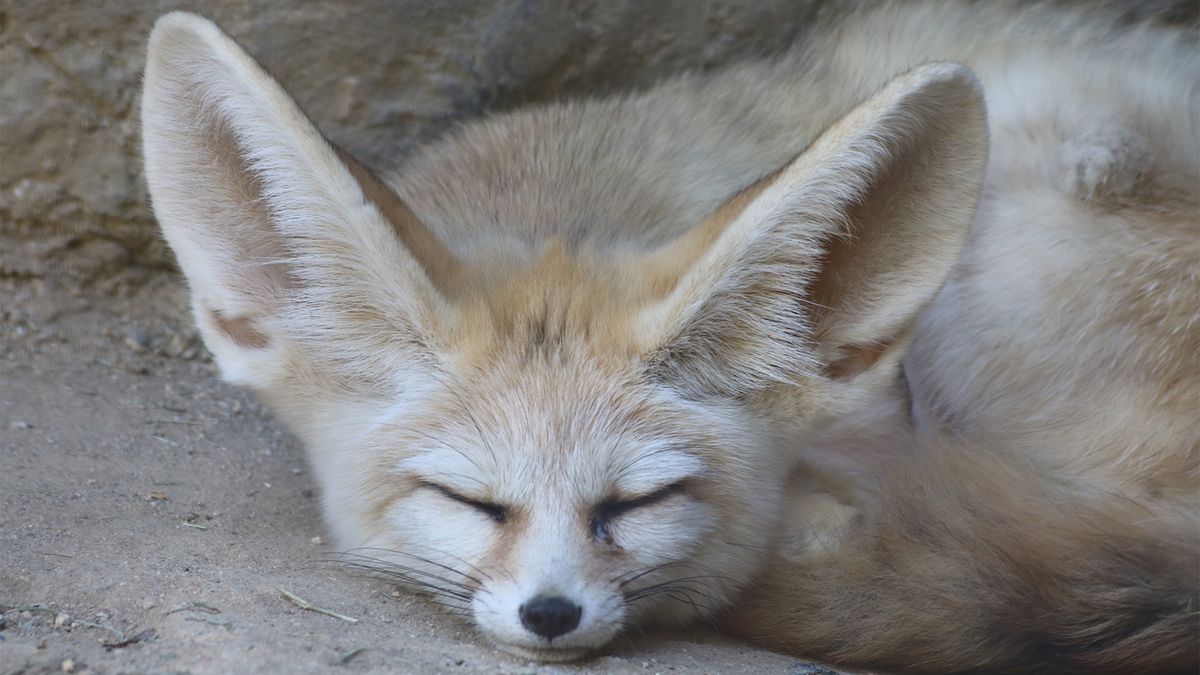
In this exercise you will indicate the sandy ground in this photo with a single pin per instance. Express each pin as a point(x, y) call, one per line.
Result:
point(150, 515)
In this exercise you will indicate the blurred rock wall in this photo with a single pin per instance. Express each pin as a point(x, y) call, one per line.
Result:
point(376, 75)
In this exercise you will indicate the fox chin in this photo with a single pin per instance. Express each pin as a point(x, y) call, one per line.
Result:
point(881, 352)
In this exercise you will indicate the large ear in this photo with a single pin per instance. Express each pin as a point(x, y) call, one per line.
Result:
point(281, 237)
point(821, 268)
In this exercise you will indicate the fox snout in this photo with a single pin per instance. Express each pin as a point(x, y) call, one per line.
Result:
point(550, 596)
point(550, 616)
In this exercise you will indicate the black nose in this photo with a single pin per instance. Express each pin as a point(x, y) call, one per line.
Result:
point(550, 616)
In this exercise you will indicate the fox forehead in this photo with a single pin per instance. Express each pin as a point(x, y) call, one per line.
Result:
point(502, 432)
point(559, 301)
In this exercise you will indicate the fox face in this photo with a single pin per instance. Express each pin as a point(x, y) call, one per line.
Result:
point(616, 505)
point(538, 482)
point(561, 430)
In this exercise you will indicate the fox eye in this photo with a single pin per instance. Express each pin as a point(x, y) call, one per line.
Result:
point(610, 509)
point(496, 512)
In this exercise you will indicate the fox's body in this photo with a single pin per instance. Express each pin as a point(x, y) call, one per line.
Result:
point(597, 362)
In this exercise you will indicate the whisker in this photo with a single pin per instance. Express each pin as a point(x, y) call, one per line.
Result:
point(680, 583)
point(460, 610)
point(428, 561)
point(697, 577)
point(460, 559)
point(422, 559)
point(432, 593)
point(403, 571)
point(637, 574)
point(681, 595)
point(408, 577)
point(748, 547)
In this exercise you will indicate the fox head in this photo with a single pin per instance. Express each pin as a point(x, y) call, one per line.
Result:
point(555, 439)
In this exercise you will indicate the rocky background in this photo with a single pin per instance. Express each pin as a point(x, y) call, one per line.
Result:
point(376, 75)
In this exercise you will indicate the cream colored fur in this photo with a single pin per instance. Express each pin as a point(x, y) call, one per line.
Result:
point(643, 352)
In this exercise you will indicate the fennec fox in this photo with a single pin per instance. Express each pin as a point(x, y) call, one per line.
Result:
point(639, 359)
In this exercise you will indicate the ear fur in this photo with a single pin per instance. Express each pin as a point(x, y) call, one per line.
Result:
point(279, 239)
point(822, 267)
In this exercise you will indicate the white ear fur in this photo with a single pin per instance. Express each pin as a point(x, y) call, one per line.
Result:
point(272, 229)
point(823, 266)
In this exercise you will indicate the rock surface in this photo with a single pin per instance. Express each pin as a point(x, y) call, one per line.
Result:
point(376, 76)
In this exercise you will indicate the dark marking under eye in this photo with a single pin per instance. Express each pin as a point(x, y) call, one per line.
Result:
point(612, 508)
point(496, 512)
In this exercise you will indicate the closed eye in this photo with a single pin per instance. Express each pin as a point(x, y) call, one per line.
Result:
point(610, 509)
point(496, 512)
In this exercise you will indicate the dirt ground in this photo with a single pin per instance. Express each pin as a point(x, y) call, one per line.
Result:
point(150, 516)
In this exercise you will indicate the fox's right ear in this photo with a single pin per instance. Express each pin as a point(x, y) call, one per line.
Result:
point(819, 269)
point(282, 239)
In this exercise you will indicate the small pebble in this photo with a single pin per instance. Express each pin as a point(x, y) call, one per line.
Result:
point(139, 341)
point(147, 604)
point(175, 346)
point(60, 619)
point(317, 540)
point(20, 424)
point(67, 666)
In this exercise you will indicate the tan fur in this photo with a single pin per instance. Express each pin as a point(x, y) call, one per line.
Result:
point(1051, 521)
point(968, 559)
point(694, 302)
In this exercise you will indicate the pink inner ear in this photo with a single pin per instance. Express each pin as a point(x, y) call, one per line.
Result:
point(241, 330)
point(856, 359)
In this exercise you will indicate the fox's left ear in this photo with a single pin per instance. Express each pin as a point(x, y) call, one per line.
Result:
point(288, 245)
point(820, 269)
